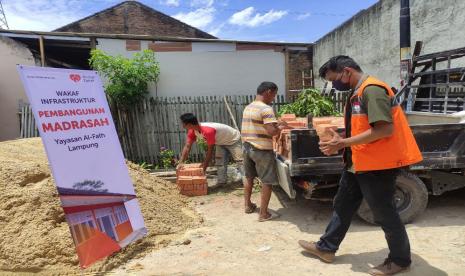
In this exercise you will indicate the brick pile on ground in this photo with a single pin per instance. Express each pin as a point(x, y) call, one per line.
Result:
point(191, 180)
point(34, 234)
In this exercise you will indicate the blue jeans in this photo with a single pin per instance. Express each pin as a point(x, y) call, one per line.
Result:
point(224, 154)
point(377, 187)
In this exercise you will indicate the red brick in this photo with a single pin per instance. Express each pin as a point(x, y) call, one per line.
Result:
point(296, 124)
point(338, 121)
point(183, 180)
point(193, 165)
point(197, 190)
point(321, 120)
point(190, 172)
point(288, 117)
point(324, 131)
point(304, 121)
point(196, 180)
point(132, 45)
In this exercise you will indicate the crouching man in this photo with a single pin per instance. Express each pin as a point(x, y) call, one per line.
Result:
point(226, 139)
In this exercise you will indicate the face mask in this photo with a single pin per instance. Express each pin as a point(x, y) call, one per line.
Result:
point(340, 86)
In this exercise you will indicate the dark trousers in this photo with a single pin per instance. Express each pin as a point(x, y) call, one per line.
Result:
point(377, 187)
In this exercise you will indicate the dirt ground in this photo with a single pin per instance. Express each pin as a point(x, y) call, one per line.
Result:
point(34, 236)
point(230, 242)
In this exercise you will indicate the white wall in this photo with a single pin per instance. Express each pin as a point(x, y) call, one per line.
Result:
point(210, 69)
point(11, 89)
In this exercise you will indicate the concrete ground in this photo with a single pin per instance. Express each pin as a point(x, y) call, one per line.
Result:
point(233, 243)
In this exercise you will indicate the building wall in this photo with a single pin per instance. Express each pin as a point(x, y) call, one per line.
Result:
point(372, 36)
point(11, 88)
point(203, 69)
point(299, 61)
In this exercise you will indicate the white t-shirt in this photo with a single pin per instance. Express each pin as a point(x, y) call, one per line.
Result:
point(215, 134)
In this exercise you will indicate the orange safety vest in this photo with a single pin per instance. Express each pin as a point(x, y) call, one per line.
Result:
point(398, 150)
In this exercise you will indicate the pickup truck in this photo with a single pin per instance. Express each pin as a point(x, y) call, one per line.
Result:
point(437, 120)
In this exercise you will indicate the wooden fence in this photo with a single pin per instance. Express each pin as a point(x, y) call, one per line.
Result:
point(154, 123)
point(27, 123)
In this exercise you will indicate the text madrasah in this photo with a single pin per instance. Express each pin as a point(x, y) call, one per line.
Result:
point(71, 125)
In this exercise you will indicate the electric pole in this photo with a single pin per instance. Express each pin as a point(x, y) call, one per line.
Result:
point(405, 54)
point(3, 22)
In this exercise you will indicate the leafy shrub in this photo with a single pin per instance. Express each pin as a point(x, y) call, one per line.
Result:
point(128, 79)
point(310, 101)
point(167, 158)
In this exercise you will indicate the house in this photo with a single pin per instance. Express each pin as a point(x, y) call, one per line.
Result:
point(192, 62)
point(99, 222)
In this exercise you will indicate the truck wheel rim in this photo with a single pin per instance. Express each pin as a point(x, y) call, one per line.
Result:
point(402, 199)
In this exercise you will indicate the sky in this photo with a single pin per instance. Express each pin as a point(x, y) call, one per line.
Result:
point(257, 20)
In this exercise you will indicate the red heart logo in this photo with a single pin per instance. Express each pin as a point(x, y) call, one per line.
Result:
point(75, 77)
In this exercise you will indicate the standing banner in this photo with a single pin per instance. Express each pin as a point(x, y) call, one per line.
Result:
point(87, 163)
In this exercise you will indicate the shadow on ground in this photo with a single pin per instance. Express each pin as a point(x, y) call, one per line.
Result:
point(362, 262)
point(305, 214)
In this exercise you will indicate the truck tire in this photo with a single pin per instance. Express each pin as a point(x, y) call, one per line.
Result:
point(411, 198)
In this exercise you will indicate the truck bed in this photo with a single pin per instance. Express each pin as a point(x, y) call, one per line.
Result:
point(442, 146)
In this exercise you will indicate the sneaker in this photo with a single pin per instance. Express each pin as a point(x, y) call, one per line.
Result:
point(325, 256)
point(388, 267)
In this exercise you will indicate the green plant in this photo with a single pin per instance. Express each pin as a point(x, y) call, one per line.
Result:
point(202, 144)
point(127, 79)
point(167, 158)
point(146, 166)
point(310, 101)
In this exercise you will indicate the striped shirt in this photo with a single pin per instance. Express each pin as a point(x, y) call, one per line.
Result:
point(255, 116)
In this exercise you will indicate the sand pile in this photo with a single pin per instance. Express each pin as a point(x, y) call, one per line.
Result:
point(34, 234)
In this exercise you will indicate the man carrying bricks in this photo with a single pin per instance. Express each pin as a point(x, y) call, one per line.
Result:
point(226, 139)
point(378, 144)
point(259, 125)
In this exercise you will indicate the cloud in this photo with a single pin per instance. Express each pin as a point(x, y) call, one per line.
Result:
point(249, 18)
point(199, 18)
point(171, 3)
point(303, 16)
point(202, 3)
point(42, 15)
point(216, 31)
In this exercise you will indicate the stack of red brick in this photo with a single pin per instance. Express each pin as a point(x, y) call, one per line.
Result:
point(281, 143)
point(322, 125)
point(191, 180)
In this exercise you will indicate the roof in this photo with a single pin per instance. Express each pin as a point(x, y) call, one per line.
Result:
point(132, 22)
point(76, 192)
point(88, 36)
point(73, 198)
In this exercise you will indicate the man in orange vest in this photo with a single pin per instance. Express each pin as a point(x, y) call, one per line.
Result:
point(378, 143)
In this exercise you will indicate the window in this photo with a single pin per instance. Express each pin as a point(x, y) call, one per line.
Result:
point(82, 226)
point(121, 215)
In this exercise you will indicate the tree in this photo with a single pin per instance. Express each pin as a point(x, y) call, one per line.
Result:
point(90, 185)
point(127, 79)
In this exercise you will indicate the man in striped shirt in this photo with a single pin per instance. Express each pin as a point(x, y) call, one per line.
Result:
point(259, 125)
